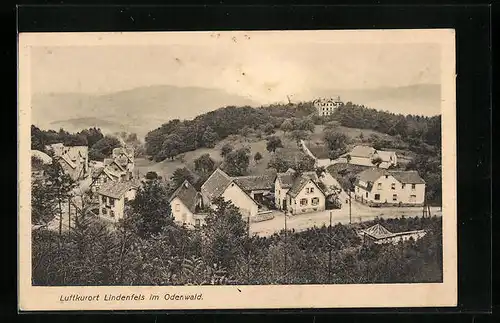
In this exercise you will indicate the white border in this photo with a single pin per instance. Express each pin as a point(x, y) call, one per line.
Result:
point(247, 297)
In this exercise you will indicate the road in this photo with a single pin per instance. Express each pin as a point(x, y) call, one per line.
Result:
point(359, 213)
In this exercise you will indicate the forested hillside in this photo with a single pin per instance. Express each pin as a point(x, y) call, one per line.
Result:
point(175, 136)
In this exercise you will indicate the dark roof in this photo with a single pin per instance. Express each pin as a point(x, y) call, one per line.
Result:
point(216, 184)
point(117, 189)
point(408, 177)
point(96, 171)
point(301, 181)
point(187, 194)
point(257, 182)
point(319, 151)
point(371, 174)
point(286, 179)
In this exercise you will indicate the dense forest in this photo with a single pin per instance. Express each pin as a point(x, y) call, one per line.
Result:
point(148, 248)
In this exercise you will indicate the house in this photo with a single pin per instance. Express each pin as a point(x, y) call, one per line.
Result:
point(185, 203)
point(257, 186)
point(377, 187)
point(101, 174)
point(38, 160)
point(112, 198)
point(73, 159)
point(377, 234)
point(326, 107)
point(125, 158)
point(220, 184)
point(318, 151)
point(299, 193)
point(365, 155)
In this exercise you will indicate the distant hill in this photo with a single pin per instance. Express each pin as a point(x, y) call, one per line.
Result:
point(138, 110)
point(421, 99)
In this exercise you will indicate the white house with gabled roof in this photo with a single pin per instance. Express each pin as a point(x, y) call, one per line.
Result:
point(380, 187)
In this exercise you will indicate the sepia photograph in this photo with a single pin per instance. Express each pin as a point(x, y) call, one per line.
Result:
point(279, 168)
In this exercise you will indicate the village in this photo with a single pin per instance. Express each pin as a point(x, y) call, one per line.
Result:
point(269, 202)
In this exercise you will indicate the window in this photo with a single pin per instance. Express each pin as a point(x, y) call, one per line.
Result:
point(314, 201)
point(112, 202)
point(377, 197)
point(104, 199)
point(197, 223)
point(112, 214)
point(379, 186)
point(303, 202)
point(310, 190)
point(393, 186)
point(104, 211)
point(394, 197)
point(386, 176)
point(413, 198)
point(403, 186)
point(366, 194)
point(413, 186)
point(177, 207)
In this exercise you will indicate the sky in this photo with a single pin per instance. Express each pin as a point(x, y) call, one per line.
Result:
point(263, 71)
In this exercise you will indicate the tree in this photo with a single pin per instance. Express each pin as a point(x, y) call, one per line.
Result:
point(225, 233)
point(304, 164)
point(273, 143)
point(377, 161)
point(257, 157)
point(150, 210)
point(58, 190)
point(204, 164)
point(180, 175)
point(320, 171)
point(226, 149)
point(287, 126)
point(209, 138)
point(279, 163)
point(305, 124)
point(268, 128)
point(348, 158)
point(93, 135)
point(237, 162)
point(298, 135)
point(336, 143)
point(104, 148)
point(151, 175)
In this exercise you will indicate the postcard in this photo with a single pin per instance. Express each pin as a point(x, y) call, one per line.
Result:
point(237, 170)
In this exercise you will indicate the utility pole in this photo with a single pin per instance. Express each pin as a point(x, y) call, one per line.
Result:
point(248, 250)
point(350, 218)
point(69, 215)
point(330, 250)
point(286, 252)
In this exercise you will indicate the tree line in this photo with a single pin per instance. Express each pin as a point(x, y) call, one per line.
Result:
point(176, 136)
point(100, 145)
